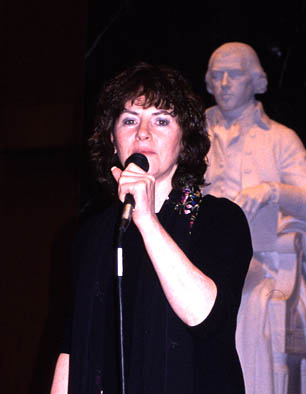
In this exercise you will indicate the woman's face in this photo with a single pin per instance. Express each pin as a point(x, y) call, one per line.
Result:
point(152, 132)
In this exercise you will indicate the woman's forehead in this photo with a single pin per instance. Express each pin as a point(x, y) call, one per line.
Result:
point(146, 103)
point(137, 108)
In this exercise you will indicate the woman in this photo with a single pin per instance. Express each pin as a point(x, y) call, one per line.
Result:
point(185, 256)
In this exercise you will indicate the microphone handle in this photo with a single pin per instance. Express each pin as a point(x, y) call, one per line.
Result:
point(129, 203)
point(128, 206)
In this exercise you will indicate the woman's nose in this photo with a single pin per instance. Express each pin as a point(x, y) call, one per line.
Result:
point(143, 131)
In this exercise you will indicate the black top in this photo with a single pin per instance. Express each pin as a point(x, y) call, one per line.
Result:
point(162, 354)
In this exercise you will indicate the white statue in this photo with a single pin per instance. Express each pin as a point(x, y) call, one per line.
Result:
point(261, 165)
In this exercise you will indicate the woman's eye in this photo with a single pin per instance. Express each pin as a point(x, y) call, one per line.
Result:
point(128, 121)
point(162, 122)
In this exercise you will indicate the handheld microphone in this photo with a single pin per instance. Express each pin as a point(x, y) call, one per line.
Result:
point(129, 203)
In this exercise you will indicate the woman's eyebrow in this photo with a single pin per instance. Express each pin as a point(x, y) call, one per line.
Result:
point(161, 112)
point(129, 112)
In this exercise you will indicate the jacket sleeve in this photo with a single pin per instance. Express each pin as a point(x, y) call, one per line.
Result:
point(221, 248)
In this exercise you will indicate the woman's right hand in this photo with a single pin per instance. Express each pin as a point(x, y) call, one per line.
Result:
point(141, 186)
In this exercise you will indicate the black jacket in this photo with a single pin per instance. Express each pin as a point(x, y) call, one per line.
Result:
point(162, 354)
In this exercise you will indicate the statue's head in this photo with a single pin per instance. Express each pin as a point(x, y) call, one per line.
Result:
point(235, 75)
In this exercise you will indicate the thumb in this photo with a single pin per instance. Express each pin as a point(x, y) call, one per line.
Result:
point(116, 173)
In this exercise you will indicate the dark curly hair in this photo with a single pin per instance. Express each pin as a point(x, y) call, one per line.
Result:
point(164, 88)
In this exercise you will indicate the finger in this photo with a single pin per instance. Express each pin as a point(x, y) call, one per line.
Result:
point(133, 185)
point(132, 167)
point(116, 173)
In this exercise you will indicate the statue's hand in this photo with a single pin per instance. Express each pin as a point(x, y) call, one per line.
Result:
point(251, 199)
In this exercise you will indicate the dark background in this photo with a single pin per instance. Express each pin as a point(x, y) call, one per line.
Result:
point(55, 56)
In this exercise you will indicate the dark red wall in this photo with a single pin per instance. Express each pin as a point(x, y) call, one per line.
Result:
point(41, 99)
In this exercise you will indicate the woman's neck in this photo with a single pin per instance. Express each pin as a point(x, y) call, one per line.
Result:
point(162, 191)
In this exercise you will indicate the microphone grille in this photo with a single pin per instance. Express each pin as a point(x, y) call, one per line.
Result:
point(140, 160)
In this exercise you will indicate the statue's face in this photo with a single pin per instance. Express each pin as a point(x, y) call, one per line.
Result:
point(230, 82)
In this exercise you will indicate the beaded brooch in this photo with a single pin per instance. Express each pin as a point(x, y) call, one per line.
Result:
point(190, 204)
